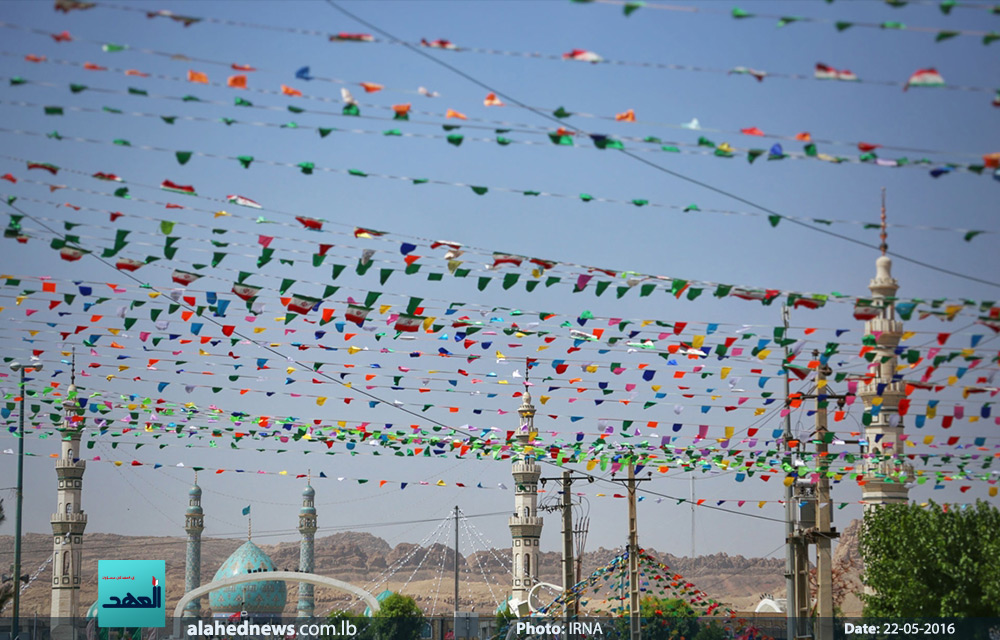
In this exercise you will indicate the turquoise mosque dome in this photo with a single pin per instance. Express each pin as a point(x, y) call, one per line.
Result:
point(266, 597)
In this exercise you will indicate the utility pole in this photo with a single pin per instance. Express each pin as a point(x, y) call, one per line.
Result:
point(790, 606)
point(824, 533)
point(456, 566)
point(571, 606)
point(567, 560)
point(635, 619)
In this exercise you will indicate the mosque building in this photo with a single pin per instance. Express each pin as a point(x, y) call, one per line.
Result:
point(263, 599)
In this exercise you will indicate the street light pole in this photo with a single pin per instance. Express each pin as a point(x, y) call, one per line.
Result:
point(15, 622)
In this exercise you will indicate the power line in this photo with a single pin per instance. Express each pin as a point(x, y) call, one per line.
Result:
point(650, 163)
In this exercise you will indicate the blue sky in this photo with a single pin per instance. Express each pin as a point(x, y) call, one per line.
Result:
point(737, 249)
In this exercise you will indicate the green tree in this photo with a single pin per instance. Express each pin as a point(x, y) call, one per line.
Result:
point(504, 616)
point(711, 630)
point(663, 619)
point(360, 623)
point(932, 562)
point(398, 618)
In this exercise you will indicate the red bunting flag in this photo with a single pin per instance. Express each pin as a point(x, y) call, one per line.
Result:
point(303, 304)
point(44, 166)
point(357, 314)
point(361, 232)
point(352, 37)
point(243, 202)
point(128, 264)
point(184, 278)
point(245, 291)
point(408, 323)
point(439, 44)
point(506, 258)
point(71, 254)
point(925, 78)
point(582, 55)
point(310, 223)
point(168, 185)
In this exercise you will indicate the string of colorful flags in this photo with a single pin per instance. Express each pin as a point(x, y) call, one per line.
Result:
point(987, 37)
point(563, 137)
point(940, 35)
point(240, 81)
point(697, 345)
point(478, 316)
point(969, 360)
point(70, 249)
point(767, 464)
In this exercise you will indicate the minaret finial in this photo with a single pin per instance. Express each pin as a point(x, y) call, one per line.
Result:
point(72, 370)
point(527, 370)
point(249, 527)
point(884, 235)
point(196, 476)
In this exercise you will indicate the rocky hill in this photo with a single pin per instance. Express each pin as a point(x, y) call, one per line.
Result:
point(371, 562)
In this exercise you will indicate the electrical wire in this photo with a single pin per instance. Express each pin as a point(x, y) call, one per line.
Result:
point(650, 163)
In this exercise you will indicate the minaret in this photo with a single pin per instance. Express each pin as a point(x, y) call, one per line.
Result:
point(307, 527)
point(69, 521)
point(525, 524)
point(881, 395)
point(194, 524)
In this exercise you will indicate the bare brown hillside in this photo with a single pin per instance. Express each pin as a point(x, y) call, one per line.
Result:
point(369, 561)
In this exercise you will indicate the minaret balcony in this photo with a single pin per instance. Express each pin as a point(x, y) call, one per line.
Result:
point(891, 394)
point(525, 526)
point(526, 471)
point(68, 517)
point(886, 469)
point(888, 331)
point(69, 462)
point(66, 468)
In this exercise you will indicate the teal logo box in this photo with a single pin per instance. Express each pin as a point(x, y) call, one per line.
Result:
point(130, 593)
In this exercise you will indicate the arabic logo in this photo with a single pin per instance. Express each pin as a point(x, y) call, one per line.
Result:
point(142, 602)
point(130, 593)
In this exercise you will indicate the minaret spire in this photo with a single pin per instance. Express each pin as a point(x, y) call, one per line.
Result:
point(72, 369)
point(882, 390)
point(884, 234)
